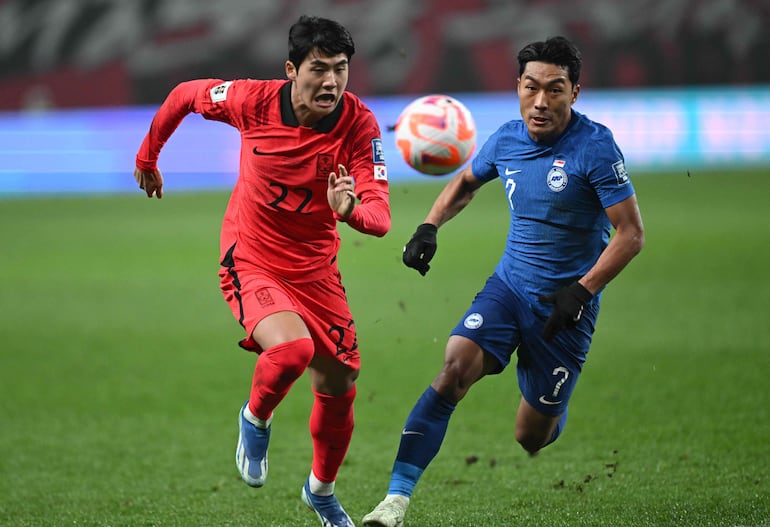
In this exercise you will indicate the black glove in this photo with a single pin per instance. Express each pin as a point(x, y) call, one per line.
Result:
point(421, 248)
point(568, 304)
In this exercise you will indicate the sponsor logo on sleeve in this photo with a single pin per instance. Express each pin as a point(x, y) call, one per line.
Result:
point(219, 93)
point(620, 172)
point(378, 154)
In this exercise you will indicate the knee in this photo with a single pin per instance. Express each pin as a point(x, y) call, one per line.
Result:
point(535, 430)
point(465, 363)
point(452, 382)
point(531, 441)
point(293, 356)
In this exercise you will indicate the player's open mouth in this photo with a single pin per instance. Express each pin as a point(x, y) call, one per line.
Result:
point(326, 100)
point(539, 120)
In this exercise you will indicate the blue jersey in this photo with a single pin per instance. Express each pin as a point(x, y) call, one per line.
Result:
point(557, 194)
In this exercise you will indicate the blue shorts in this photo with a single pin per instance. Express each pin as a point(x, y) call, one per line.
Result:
point(502, 322)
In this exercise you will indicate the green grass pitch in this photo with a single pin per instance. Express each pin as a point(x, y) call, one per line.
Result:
point(121, 379)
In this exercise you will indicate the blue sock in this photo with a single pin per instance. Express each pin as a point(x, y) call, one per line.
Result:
point(421, 440)
point(559, 428)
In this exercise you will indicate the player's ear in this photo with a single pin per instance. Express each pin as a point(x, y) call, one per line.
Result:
point(575, 92)
point(291, 71)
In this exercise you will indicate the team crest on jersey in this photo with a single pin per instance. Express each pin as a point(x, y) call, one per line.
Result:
point(264, 297)
point(557, 179)
point(219, 93)
point(324, 166)
point(620, 172)
point(473, 321)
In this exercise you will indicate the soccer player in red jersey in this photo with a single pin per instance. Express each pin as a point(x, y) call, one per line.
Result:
point(311, 156)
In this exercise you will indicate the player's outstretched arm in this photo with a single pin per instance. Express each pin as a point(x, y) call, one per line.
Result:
point(179, 103)
point(151, 182)
point(455, 196)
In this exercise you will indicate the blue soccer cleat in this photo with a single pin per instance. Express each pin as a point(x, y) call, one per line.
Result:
point(251, 453)
point(328, 509)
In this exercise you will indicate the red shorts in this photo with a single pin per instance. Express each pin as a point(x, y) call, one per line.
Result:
point(253, 294)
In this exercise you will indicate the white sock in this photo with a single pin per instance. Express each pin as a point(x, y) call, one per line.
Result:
point(256, 421)
point(320, 488)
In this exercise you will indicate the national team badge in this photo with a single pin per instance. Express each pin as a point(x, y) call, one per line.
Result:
point(557, 179)
point(324, 166)
point(264, 297)
point(380, 173)
point(473, 321)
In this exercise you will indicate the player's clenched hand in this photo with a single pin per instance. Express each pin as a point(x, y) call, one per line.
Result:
point(150, 182)
point(420, 249)
point(568, 304)
point(340, 193)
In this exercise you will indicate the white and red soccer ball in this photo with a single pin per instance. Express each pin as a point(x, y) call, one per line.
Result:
point(435, 134)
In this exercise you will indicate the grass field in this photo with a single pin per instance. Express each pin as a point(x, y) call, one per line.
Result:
point(121, 378)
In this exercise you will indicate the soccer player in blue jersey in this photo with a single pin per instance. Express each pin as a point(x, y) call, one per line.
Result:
point(566, 187)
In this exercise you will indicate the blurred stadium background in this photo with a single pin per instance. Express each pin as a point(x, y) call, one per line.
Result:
point(684, 84)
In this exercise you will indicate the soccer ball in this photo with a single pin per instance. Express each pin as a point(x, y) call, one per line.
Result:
point(435, 134)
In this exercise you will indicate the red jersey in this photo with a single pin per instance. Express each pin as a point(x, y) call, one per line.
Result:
point(278, 217)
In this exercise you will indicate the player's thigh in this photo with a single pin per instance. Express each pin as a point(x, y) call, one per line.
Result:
point(279, 327)
point(492, 322)
point(264, 306)
point(548, 371)
point(326, 313)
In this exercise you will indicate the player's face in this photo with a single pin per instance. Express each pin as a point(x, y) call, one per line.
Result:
point(318, 84)
point(546, 96)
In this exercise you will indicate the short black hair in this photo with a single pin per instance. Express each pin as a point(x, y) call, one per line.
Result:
point(309, 32)
point(554, 50)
